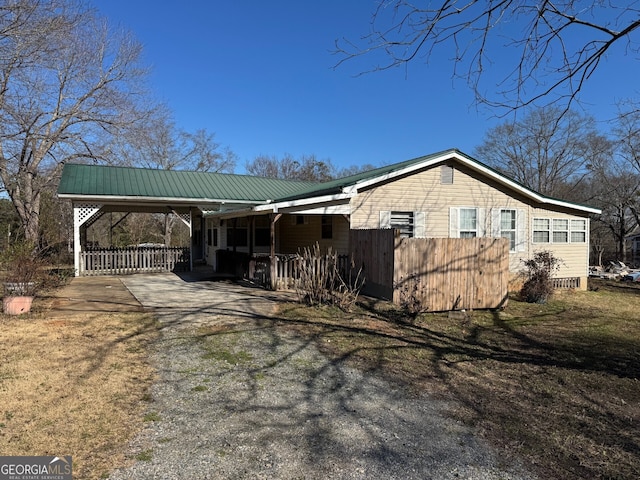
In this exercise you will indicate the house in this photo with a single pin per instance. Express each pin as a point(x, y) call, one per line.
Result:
point(632, 246)
point(446, 194)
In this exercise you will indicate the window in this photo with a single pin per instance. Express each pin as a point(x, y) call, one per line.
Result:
point(237, 232)
point(468, 223)
point(560, 230)
point(262, 230)
point(327, 226)
point(215, 237)
point(508, 227)
point(578, 231)
point(403, 221)
point(410, 224)
point(541, 227)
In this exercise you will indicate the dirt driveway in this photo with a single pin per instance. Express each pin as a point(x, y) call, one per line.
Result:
point(238, 396)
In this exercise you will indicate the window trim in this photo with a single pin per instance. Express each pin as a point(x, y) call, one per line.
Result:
point(555, 227)
point(535, 230)
point(513, 241)
point(582, 230)
point(474, 231)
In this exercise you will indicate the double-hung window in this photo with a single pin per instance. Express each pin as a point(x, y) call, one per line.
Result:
point(541, 230)
point(468, 222)
point(508, 226)
point(560, 230)
point(578, 231)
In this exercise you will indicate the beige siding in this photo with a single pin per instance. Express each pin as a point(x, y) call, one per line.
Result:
point(423, 192)
point(293, 236)
point(574, 256)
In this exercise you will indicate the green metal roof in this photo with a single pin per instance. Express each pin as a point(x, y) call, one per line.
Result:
point(336, 186)
point(106, 181)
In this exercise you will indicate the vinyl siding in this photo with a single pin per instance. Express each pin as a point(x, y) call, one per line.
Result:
point(574, 256)
point(424, 192)
point(293, 237)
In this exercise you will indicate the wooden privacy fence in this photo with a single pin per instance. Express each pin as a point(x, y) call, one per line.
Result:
point(442, 273)
point(121, 261)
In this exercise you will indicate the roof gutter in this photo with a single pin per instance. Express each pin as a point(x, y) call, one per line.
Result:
point(165, 200)
point(303, 202)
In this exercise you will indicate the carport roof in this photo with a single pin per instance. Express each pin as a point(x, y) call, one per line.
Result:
point(144, 183)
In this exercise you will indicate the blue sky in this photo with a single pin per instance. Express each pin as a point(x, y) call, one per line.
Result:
point(260, 76)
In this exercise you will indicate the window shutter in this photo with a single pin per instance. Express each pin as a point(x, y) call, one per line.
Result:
point(495, 222)
point(385, 219)
point(453, 222)
point(521, 244)
point(419, 230)
point(482, 222)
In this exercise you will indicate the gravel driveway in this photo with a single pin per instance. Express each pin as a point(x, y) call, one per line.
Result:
point(238, 397)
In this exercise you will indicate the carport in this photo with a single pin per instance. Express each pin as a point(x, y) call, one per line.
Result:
point(96, 190)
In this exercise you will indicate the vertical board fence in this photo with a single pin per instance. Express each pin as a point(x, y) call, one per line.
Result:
point(124, 261)
point(442, 273)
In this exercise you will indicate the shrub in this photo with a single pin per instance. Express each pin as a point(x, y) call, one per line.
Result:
point(23, 269)
point(539, 271)
point(412, 295)
point(320, 281)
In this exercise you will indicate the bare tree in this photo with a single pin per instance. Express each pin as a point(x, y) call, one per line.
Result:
point(546, 50)
point(158, 143)
point(308, 167)
point(627, 133)
point(67, 84)
point(545, 153)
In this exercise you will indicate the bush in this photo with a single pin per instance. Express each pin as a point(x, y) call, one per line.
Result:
point(412, 295)
point(321, 282)
point(539, 271)
point(23, 269)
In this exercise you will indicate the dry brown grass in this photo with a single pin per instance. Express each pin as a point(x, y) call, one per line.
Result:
point(74, 385)
point(555, 384)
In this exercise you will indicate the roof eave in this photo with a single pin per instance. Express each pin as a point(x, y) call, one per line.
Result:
point(303, 202)
point(353, 189)
point(115, 199)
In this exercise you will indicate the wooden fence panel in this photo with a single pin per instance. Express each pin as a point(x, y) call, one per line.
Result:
point(372, 251)
point(442, 273)
point(452, 273)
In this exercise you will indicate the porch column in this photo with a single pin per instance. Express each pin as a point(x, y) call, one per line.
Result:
point(187, 219)
point(82, 213)
point(273, 218)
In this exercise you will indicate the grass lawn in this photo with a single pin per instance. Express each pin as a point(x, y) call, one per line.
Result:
point(556, 384)
point(74, 385)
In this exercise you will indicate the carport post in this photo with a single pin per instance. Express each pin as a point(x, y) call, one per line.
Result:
point(274, 217)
